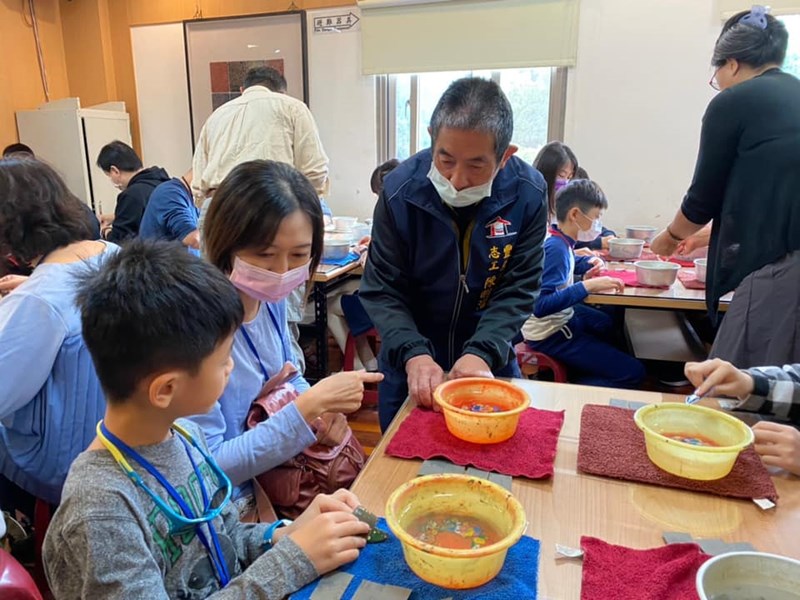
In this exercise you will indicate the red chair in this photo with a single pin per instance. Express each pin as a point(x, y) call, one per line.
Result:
point(370, 393)
point(15, 582)
point(531, 362)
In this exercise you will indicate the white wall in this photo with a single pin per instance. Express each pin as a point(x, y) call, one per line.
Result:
point(343, 103)
point(163, 96)
point(634, 103)
point(636, 98)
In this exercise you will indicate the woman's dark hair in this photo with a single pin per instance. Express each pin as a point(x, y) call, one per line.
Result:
point(38, 214)
point(548, 162)
point(249, 206)
point(753, 38)
point(118, 154)
point(381, 171)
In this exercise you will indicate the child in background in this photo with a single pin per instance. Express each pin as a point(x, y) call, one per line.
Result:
point(597, 239)
point(345, 311)
point(765, 390)
point(561, 325)
point(557, 164)
point(146, 511)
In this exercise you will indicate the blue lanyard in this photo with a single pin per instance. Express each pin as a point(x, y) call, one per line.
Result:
point(252, 346)
point(218, 558)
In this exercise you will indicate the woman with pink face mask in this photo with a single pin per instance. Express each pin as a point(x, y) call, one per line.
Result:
point(264, 229)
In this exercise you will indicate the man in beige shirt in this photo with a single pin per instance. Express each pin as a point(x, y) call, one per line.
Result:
point(262, 123)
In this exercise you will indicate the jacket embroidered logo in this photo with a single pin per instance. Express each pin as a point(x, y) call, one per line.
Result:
point(498, 228)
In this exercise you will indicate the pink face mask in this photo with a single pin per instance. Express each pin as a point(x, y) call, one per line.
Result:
point(265, 285)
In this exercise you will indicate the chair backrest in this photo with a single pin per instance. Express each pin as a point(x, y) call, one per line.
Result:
point(15, 582)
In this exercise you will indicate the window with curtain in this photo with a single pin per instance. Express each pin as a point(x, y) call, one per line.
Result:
point(792, 63)
point(412, 98)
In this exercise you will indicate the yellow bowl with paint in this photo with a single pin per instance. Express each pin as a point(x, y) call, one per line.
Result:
point(479, 410)
point(436, 517)
point(692, 441)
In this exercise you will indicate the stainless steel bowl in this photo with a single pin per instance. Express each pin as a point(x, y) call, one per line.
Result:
point(700, 266)
point(335, 249)
point(641, 232)
point(746, 575)
point(656, 273)
point(625, 248)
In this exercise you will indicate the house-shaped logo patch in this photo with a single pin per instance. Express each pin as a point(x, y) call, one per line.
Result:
point(499, 228)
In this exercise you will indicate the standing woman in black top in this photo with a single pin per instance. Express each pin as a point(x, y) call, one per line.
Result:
point(747, 180)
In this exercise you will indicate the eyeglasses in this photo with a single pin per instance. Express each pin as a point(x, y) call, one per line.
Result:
point(713, 81)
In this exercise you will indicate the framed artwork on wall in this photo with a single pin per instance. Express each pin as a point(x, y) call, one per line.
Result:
point(219, 52)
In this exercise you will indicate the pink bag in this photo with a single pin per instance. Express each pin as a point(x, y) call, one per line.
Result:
point(331, 463)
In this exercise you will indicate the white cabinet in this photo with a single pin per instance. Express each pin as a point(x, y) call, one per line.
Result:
point(70, 138)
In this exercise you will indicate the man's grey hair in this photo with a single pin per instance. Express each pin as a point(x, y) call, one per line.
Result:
point(475, 104)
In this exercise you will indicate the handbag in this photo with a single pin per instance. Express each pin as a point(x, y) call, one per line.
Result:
point(333, 462)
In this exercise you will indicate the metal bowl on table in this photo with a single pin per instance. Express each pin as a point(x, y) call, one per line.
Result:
point(700, 266)
point(336, 247)
point(625, 248)
point(656, 273)
point(641, 232)
point(748, 575)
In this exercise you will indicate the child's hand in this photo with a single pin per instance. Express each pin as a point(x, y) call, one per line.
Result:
point(584, 252)
point(597, 265)
point(11, 282)
point(604, 241)
point(601, 284)
point(331, 540)
point(721, 376)
point(342, 501)
point(778, 445)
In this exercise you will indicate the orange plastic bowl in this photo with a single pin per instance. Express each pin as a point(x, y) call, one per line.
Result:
point(481, 427)
point(459, 495)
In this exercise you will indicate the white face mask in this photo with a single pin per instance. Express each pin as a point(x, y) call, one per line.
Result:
point(592, 233)
point(458, 198)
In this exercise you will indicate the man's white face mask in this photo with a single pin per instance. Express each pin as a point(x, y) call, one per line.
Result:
point(459, 198)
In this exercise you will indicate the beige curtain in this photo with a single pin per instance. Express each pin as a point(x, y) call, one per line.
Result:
point(414, 36)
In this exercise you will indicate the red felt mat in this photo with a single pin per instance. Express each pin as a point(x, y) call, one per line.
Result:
point(689, 280)
point(646, 255)
point(666, 573)
point(681, 262)
point(628, 278)
point(611, 445)
point(530, 453)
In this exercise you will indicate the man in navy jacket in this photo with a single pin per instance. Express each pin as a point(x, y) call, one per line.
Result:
point(456, 256)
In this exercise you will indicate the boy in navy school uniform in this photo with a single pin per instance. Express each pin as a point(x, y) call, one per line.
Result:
point(146, 511)
point(561, 325)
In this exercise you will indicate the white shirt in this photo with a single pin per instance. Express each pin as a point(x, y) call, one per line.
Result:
point(260, 124)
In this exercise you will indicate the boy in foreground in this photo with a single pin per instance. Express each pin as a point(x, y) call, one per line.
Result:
point(146, 511)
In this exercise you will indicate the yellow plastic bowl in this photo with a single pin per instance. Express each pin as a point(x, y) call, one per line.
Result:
point(702, 463)
point(478, 427)
point(459, 495)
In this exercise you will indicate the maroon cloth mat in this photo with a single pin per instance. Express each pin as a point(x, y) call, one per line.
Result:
point(611, 445)
point(689, 280)
point(666, 573)
point(530, 453)
point(628, 278)
point(646, 255)
point(681, 262)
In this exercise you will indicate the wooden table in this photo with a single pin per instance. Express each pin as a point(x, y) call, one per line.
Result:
point(571, 504)
point(676, 297)
point(326, 279)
